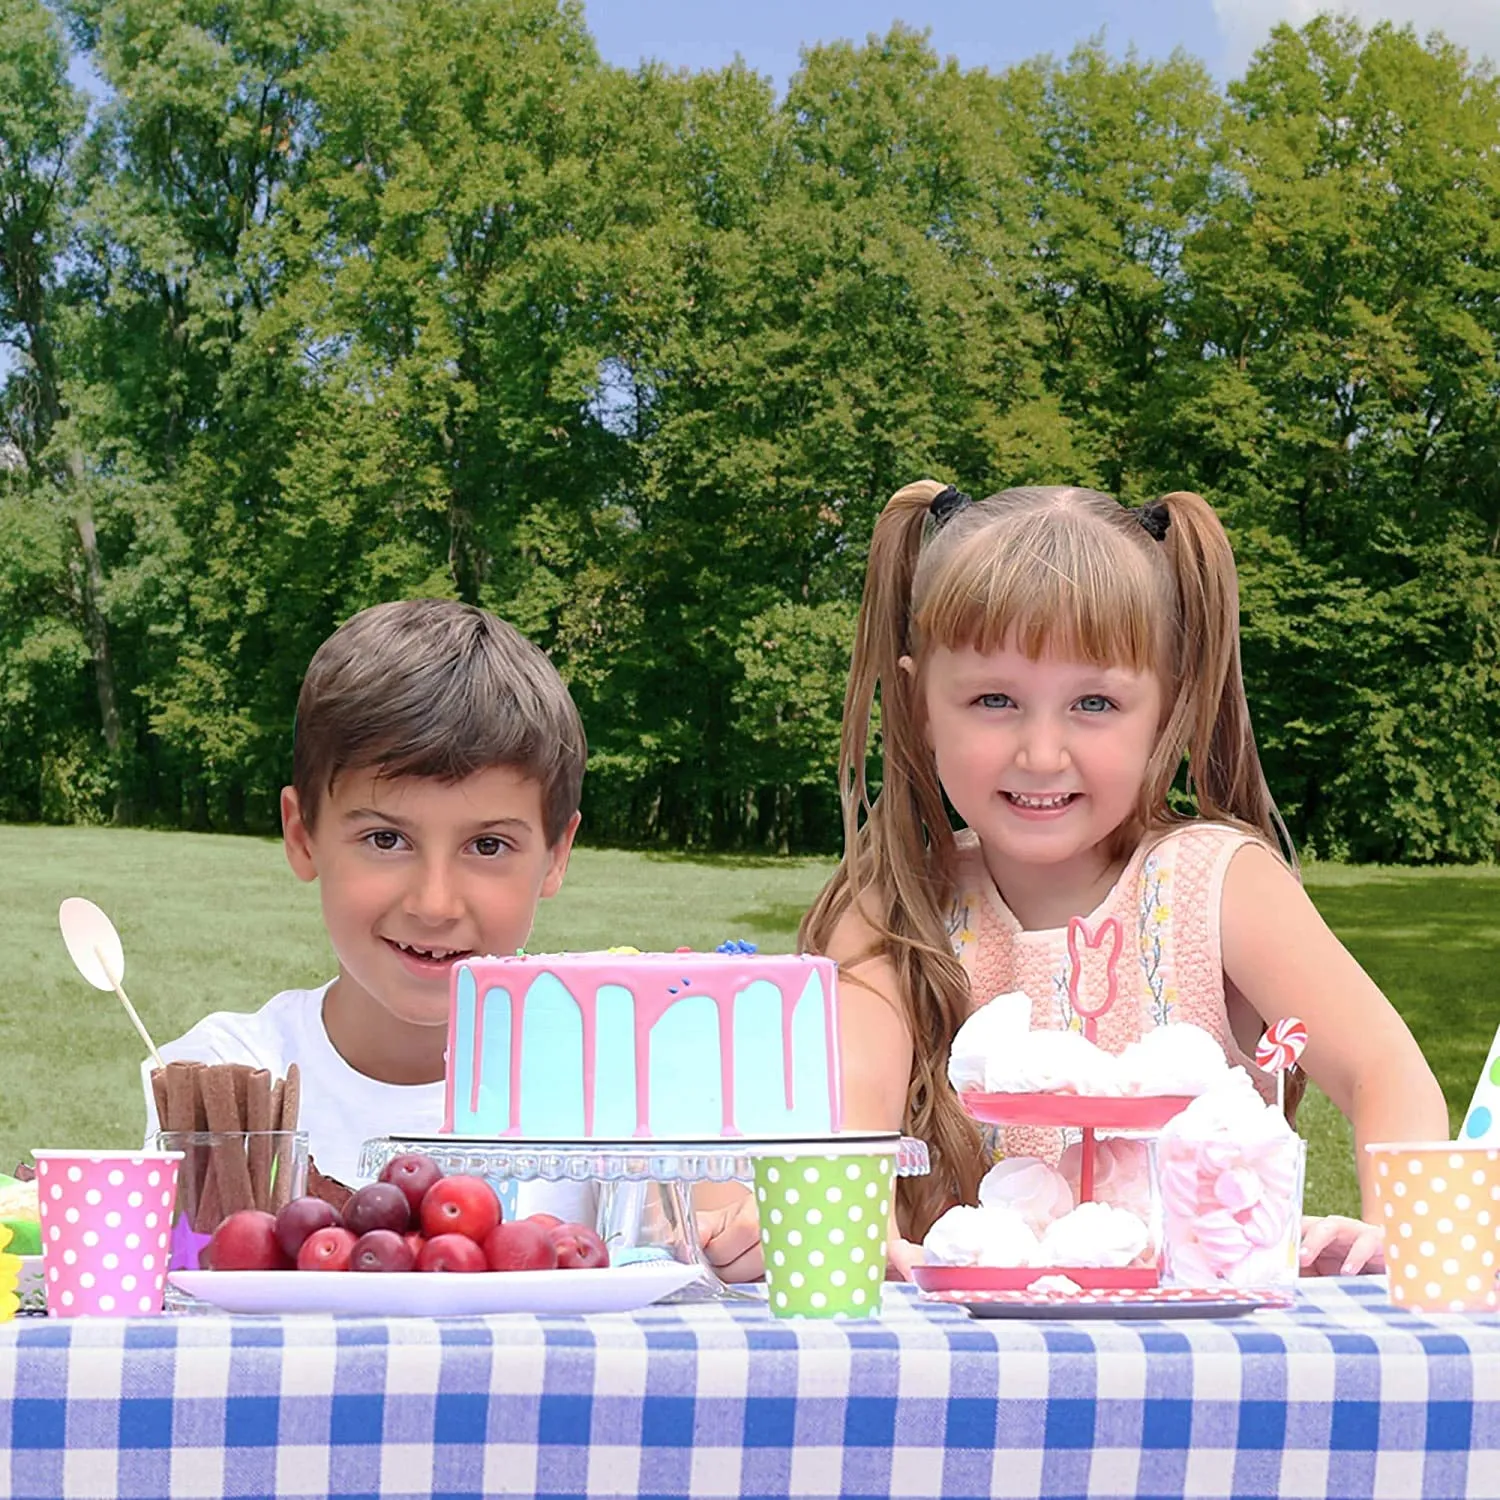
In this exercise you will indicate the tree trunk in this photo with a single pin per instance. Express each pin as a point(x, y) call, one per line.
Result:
point(96, 633)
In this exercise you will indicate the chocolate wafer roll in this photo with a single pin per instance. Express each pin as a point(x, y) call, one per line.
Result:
point(224, 1088)
point(183, 1100)
point(159, 1095)
point(258, 1123)
point(183, 1111)
point(284, 1114)
point(291, 1100)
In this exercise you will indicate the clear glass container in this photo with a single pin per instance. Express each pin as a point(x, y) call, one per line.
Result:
point(644, 1187)
point(1230, 1211)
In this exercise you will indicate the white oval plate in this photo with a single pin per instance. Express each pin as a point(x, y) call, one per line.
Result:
point(437, 1294)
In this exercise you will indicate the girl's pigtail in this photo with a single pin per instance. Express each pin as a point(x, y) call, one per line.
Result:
point(882, 637)
point(1224, 770)
point(898, 853)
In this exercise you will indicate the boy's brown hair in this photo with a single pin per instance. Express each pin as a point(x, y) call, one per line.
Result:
point(430, 687)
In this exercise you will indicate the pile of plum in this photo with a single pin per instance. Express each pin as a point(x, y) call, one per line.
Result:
point(413, 1219)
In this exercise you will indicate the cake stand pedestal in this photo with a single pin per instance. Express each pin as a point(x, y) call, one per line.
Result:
point(644, 1208)
point(1090, 1114)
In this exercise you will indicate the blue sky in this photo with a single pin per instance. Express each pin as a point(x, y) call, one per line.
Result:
point(980, 33)
point(994, 33)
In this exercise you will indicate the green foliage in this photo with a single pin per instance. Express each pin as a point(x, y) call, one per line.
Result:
point(333, 301)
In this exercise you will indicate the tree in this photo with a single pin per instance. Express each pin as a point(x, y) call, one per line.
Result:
point(1117, 159)
point(1344, 318)
point(52, 615)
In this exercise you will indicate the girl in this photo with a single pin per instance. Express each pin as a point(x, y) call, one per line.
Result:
point(1045, 660)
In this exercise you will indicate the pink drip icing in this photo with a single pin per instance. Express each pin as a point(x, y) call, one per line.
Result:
point(835, 1055)
point(725, 1007)
point(479, 998)
point(584, 980)
point(650, 1009)
point(589, 1015)
point(517, 1022)
point(449, 1081)
point(788, 1010)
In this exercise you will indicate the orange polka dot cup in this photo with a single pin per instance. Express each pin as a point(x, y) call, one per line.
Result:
point(1439, 1203)
point(105, 1218)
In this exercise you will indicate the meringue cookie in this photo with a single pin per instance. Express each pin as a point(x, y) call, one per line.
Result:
point(989, 1031)
point(1027, 1184)
point(957, 1238)
point(1052, 1062)
point(1177, 1059)
point(1094, 1234)
point(1122, 1173)
point(1061, 1286)
point(980, 1237)
point(1230, 1108)
point(1238, 1188)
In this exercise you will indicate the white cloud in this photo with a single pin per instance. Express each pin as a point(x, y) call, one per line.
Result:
point(1472, 24)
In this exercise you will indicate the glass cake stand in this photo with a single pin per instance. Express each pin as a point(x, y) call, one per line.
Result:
point(1136, 1115)
point(643, 1211)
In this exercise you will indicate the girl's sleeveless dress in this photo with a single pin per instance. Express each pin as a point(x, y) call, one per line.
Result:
point(1170, 967)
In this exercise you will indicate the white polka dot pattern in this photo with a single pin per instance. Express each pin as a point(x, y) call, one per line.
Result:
point(94, 1213)
point(1437, 1204)
point(823, 1227)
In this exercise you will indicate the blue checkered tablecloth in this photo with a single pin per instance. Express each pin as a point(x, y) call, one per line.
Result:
point(1340, 1396)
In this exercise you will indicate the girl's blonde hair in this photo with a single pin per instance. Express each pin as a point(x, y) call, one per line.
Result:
point(1047, 569)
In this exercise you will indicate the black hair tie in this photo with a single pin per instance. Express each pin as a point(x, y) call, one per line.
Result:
point(1155, 518)
point(946, 504)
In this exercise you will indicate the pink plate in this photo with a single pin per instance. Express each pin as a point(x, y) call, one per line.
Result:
point(1126, 1302)
point(1096, 1111)
point(969, 1279)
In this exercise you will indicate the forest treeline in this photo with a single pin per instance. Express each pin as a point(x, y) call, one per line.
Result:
point(314, 303)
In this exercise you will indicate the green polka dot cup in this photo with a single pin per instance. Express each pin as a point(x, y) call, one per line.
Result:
point(823, 1222)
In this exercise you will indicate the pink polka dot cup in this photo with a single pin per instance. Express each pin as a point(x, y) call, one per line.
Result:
point(105, 1219)
point(1439, 1203)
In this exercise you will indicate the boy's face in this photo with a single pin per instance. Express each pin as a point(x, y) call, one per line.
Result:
point(416, 874)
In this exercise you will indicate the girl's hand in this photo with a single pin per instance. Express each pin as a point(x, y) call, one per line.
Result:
point(901, 1256)
point(1336, 1246)
point(730, 1239)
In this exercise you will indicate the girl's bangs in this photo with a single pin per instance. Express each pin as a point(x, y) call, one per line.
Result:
point(1095, 603)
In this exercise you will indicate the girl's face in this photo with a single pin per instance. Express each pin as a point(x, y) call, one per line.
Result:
point(1042, 759)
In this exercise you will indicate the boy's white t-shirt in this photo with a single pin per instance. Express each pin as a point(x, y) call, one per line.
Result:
point(341, 1108)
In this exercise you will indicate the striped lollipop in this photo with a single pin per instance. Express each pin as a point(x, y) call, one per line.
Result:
point(1282, 1044)
point(1278, 1049)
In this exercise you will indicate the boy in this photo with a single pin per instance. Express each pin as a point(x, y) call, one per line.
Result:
point(436, 771)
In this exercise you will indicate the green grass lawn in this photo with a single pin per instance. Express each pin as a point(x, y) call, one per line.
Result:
point(215, 923)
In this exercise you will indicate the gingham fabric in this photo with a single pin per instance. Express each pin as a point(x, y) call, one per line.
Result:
point(1338, 1396)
